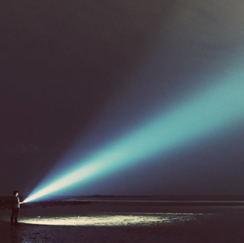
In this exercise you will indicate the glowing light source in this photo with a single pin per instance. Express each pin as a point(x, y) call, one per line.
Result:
point(209, 110)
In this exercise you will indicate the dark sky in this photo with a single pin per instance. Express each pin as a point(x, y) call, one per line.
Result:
point(74, 70)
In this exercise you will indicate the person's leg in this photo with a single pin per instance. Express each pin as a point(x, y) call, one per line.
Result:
point(16, 215)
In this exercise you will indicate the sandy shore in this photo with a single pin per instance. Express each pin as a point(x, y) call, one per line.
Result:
point(124, 222)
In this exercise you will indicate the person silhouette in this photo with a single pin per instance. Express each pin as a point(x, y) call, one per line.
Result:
point(15, 207)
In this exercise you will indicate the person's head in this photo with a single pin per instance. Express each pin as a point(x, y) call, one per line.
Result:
point(16, 193)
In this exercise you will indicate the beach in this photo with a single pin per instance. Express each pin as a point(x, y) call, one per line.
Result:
point(125, 221)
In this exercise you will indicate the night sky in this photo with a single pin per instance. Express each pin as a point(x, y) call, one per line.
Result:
point(80, 73)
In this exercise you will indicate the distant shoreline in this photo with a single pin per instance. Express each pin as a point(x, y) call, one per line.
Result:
point(138, 202)
point(162, 201)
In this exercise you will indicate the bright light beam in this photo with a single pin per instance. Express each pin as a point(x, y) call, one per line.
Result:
point(211, 110)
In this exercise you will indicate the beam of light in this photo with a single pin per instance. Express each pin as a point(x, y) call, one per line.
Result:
point(207, 112)
point(113, 220)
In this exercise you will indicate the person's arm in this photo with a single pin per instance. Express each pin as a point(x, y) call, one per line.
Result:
point(19, 202)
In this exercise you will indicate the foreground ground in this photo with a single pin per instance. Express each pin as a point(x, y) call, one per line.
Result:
point(125, 222)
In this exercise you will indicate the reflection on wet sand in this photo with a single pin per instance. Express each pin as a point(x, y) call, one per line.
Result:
point(141, 219)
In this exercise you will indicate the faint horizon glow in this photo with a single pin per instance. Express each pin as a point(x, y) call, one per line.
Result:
point(215, 108)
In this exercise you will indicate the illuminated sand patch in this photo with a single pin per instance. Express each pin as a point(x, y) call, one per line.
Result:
point(113, 220)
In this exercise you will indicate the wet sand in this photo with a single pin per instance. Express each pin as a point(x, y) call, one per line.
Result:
point(124, 222)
